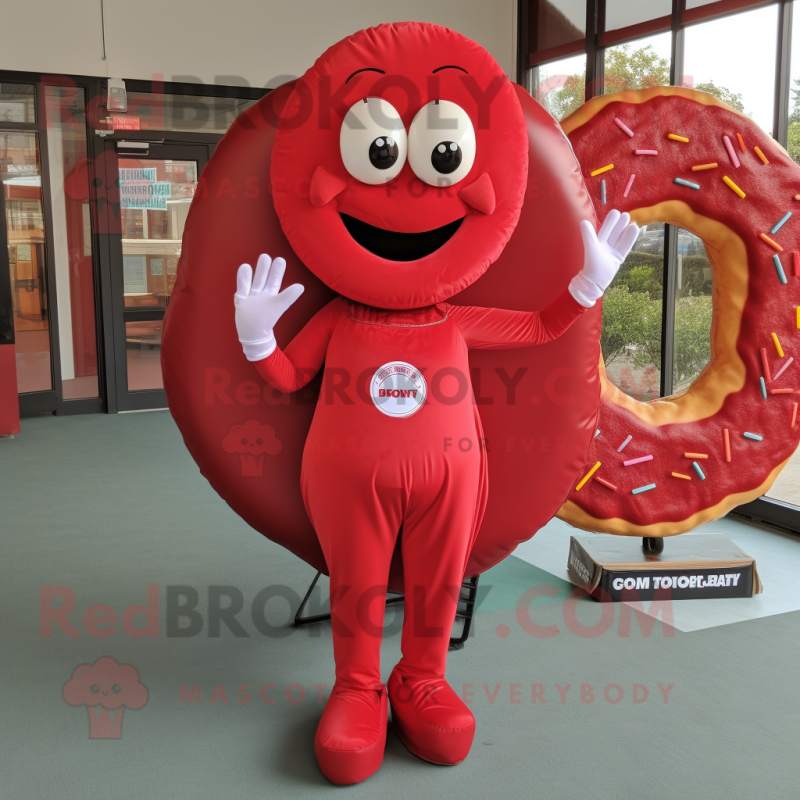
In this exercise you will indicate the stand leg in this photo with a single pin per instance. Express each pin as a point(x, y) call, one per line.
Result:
point(465, 611)
point(653, 544)
point(299, 619)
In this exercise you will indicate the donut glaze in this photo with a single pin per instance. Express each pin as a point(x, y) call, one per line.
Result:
point(749, 298)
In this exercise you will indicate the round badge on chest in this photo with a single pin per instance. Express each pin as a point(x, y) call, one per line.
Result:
point(398, 389)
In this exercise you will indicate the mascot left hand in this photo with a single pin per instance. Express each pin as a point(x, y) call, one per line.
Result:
point(604, 252)
point(260, 304)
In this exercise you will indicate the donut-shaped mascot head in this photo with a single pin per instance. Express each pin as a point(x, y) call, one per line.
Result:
point(400, 165)
point(402, 171)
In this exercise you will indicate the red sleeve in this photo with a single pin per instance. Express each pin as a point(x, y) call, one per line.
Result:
point(498, 328)
point(292, 370)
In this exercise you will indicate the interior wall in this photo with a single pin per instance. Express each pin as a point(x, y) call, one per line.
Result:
point(224, 41)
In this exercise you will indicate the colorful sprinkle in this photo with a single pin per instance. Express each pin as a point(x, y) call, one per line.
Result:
point(761, 155)
point(763, 388)
point(779, 268)
point(699, 471)
point(587, 476)
point(631, 461)
point(597, 433)
point(779, 224)
point(629, 184)
point(646, 152)
point(606, 168)
point(623, 127)
point(794, 414)
point(781, 391)
point(783, 368)
point(641, 489)
point(731, 152)
point(771, 242)
point(765, 363)
point(754, 436)
point(689, 184)
point(681, 475)
point(796, 262)
point(607, 484)
point(777, 343)
point(698, 167)
point(797, 312)
point(733, 186)
point(727, 439)
point(602, 191)
point(677, 138)
point(741, 142)
point(695, 455)
point(624, 444)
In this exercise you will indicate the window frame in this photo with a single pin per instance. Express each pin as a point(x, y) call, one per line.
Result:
point(52, 400)
point(765, 509)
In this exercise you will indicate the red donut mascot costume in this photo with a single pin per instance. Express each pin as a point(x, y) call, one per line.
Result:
point(399, 170)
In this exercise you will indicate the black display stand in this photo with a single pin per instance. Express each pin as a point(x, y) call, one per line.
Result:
point(464, 612)
point(689, 567)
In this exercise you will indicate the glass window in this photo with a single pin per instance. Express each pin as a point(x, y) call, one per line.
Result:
point(72, 240)
point(557, 23)
point(155, 195)
point(17, 102)
point(692, 342)
point(793, 137)
point(186, 113)
point(721, 57)
point(638, 65)
point(624, 13)
point(21, 177)
point(631, 338)
point(560, 85)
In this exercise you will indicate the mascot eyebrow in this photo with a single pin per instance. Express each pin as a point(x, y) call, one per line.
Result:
point(383, 72)
point(449, 66)
point(367, 69)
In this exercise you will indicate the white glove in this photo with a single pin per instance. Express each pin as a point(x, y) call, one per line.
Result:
point(260, 304)
point(603, 253)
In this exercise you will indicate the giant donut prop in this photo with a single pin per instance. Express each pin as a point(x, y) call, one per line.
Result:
point(712, 171)
point(538, 405)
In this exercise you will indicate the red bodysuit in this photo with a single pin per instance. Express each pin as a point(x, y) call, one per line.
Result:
point(421, 472)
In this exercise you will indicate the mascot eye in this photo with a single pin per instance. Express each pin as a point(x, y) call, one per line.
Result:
point(446, 157)
point(94, 688)
point(441, 143)
point(384, 152)
point(373, 141)
point(116, 688)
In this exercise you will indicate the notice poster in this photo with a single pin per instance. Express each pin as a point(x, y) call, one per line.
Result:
point(139, 188)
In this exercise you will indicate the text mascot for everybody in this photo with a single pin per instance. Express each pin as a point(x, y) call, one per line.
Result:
point(401, 163)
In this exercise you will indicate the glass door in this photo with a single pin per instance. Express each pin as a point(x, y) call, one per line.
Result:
point(155, 189)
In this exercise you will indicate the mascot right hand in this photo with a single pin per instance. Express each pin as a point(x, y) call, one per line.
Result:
point(260, 304)
point(603, 254)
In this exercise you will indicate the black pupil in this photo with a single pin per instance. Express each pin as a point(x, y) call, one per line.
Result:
point(446, 157)
point(383, 152)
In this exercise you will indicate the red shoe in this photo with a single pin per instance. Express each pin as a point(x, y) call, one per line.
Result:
point(351, 735)
point(431, 719)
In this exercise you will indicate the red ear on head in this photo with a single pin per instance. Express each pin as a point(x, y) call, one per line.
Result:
point(480, 194)
point(325, 186)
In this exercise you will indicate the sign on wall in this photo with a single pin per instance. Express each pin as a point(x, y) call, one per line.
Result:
point(139, 188)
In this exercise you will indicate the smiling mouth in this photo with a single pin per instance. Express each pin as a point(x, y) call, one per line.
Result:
point(395, 246)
